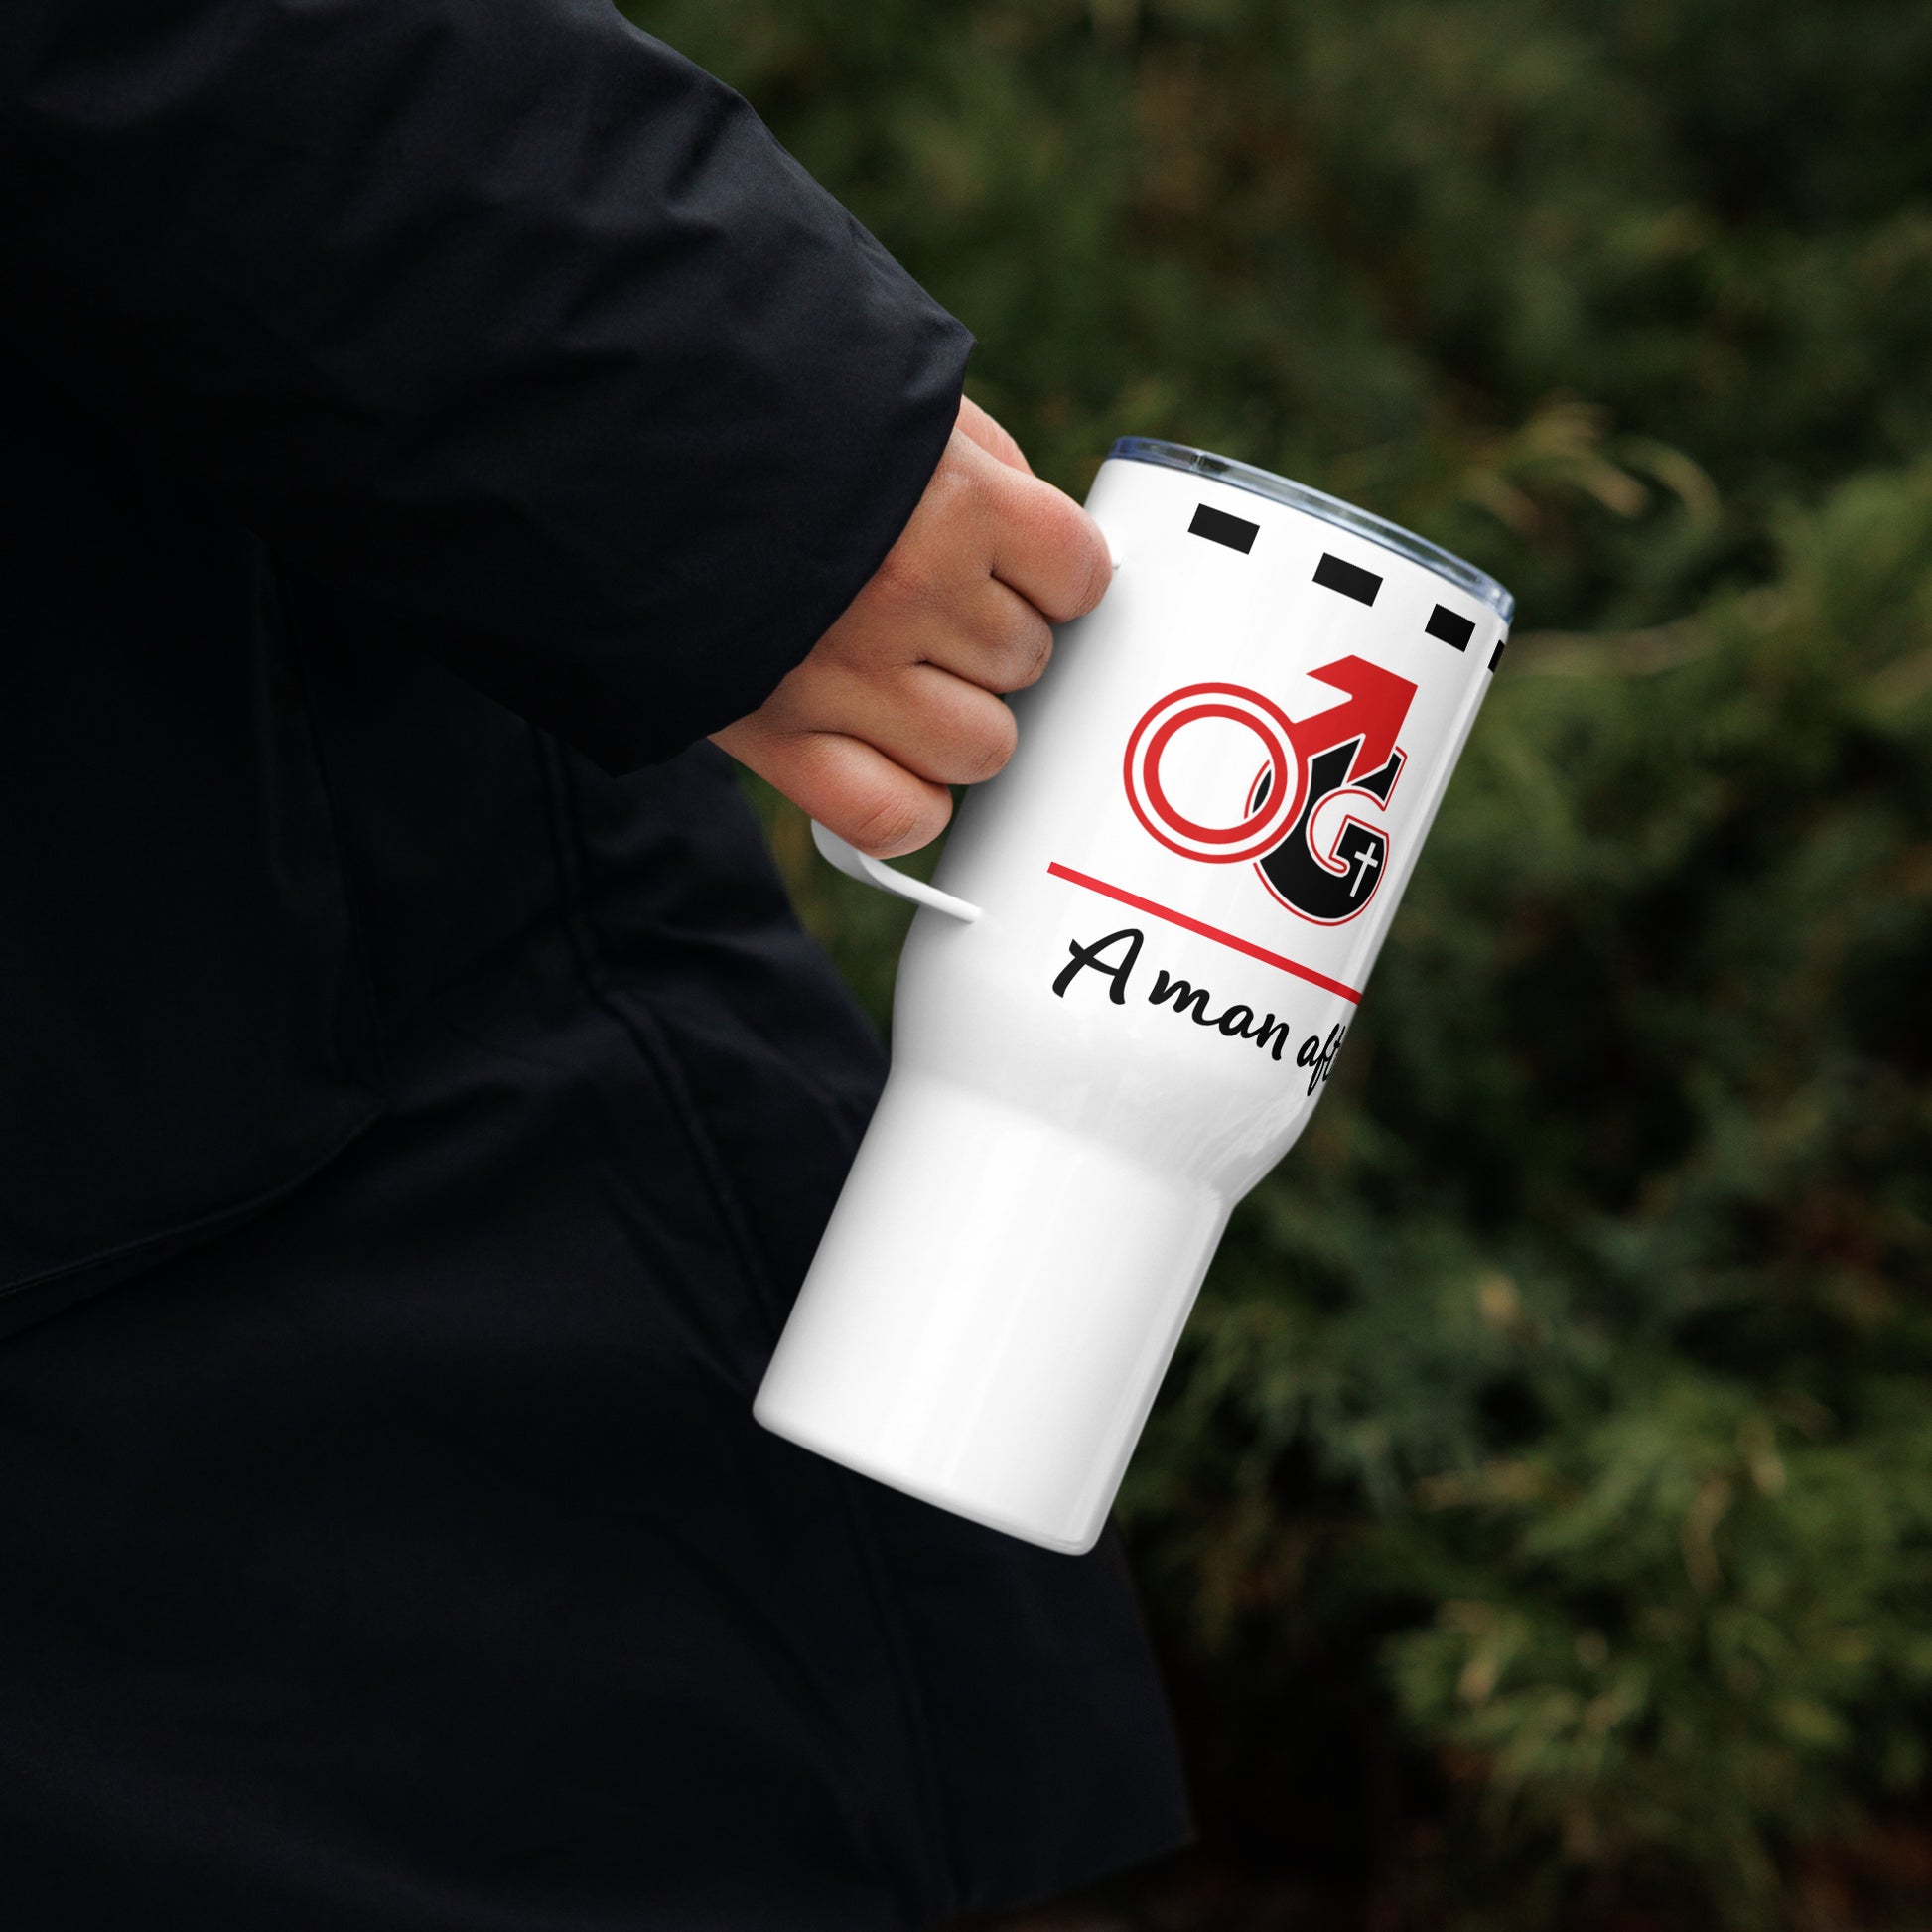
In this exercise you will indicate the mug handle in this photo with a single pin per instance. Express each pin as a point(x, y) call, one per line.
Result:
point(869, 870)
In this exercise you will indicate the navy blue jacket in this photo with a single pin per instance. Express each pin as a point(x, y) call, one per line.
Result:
point(423, 421)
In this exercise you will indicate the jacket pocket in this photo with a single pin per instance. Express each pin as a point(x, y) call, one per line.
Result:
point(184, 1027)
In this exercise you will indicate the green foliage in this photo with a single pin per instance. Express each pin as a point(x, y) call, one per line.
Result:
point(1537, 1522)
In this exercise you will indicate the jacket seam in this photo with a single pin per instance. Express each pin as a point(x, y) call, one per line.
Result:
point(364, 968)
point(580, 933)
point(171, 1237)
point(579, 928)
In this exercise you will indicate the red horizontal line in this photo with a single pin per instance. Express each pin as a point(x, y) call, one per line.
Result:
point(1207, 931)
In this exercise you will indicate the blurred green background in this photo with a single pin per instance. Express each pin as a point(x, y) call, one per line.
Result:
point(1536, 1523)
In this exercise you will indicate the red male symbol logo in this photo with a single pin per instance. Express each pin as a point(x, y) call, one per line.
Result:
point(1313, 821)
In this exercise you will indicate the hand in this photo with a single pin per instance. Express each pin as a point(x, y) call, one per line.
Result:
point(896, 701)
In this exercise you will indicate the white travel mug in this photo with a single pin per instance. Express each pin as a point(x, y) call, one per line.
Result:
point(1129, 981)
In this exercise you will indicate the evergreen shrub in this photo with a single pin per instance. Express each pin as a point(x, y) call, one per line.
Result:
point(1538, 1521)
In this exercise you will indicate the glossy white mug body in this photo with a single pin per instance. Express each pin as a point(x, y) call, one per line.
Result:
point(1129, 983)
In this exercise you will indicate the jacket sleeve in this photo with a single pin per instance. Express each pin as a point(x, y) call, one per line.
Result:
point(496, 314)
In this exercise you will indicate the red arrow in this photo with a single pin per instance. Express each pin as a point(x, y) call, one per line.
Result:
point(1377, 703)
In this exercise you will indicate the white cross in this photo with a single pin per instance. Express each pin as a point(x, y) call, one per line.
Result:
point(1365, 863)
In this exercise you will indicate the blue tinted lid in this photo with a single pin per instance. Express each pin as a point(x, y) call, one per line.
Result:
point(1331, 509)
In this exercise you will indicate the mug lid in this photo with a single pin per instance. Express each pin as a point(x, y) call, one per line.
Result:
point(1331, 509)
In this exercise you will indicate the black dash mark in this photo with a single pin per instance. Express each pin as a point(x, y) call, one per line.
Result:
point(1496, 656)
point(1217, 526)
point(1349, 579)
point(1454, 631)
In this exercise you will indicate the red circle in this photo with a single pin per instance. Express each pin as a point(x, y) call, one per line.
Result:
point(1278, 748)
point(1187, 827)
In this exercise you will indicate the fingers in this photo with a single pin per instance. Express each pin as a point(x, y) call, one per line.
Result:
point(945, 729)
point(873, 759)
point(999, 641)
point(992, 437)
point(1044, 545)
point(851, 788)
point(895, 702)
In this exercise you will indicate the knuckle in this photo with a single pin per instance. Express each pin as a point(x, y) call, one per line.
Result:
point(1089, 568)
point(1098, 574)
point(910, 575)
point(952, 488)
point(1081, 566)
point(904, 579)
point(1029, 653)
point(991, 744)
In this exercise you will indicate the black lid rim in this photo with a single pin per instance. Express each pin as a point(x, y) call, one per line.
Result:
point(1331, 509)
